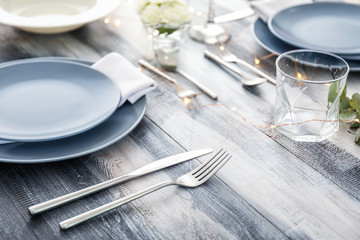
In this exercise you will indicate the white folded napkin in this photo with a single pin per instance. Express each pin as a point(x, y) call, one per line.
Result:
point(132, 83)
point(266, 8)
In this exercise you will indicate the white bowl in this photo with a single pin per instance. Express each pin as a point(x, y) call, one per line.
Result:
point(53, 16)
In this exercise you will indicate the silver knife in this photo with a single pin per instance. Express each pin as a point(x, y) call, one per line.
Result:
point(203, 88)
point(234, 15)
point(152, 167)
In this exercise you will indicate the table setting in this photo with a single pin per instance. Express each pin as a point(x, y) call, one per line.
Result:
point(177, 119)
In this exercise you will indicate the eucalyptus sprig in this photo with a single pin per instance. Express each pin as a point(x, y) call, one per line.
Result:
point(350, 110)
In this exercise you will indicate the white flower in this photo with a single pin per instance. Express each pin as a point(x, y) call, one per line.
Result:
point(167, 12)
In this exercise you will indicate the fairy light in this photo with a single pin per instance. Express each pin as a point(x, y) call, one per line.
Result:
point(298, 75)
point(149, 37)
point(139, 68)
point(198, 13)
point(117, 22)
point(107, 20)
point(186, 101)
point(222, 48)
point(191, 10)
point(257, 61)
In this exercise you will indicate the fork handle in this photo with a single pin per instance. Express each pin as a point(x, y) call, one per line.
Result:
point(107, 207)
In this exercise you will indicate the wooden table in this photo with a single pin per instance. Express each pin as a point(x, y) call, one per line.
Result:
point(273, 188)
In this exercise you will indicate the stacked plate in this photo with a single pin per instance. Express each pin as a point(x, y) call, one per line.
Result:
point(325, 26)
point(59, 108)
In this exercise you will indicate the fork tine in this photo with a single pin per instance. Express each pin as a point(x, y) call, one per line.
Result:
point(223, 156)
point(215, 169)
point(203, 165)
point(208, 166)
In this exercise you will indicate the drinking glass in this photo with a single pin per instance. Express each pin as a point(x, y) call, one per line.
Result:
point(308, 88)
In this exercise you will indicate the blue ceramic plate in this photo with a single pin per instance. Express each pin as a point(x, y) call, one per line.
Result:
point(121, 123)
point(48, 99)
point(326, 26)
point(267, 40)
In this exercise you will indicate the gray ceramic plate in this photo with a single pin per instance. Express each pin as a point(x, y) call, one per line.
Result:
point(326, 26)
point(267, 40)
point(121, 123)
point(47, 99)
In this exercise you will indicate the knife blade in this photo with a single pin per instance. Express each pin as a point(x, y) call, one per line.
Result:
point(234, 15)
point(151, 167)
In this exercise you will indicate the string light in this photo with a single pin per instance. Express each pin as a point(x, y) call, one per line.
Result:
point(107, 20)
point(257, 61)
point(117, 22)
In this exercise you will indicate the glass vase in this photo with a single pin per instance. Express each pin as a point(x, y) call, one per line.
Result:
point(166, 44)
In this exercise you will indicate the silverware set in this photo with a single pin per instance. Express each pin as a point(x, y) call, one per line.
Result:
point(182, 91)
point(191, 179)
point(224, 57)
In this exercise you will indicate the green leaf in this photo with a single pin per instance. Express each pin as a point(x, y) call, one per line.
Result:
point(355, 102)
point(344, 103)
point(348, 114)
point(355, 125)
point(333, 92)
point(166, 30)
point(357, 136)
point(344, 100)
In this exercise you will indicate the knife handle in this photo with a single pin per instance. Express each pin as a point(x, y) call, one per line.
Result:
point(206, 90)
point(155, 70)
point(56, 202)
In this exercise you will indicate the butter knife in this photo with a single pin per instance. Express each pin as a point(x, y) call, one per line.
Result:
point(152, 167)
point(234, 15)
point(201, 86)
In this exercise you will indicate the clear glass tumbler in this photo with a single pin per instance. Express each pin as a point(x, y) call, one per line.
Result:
point(308, 88)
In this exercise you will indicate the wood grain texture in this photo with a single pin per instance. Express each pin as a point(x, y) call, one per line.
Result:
point(273, 188)
point(170, 213)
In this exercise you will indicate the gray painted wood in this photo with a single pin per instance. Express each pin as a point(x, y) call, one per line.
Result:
point(273, 188)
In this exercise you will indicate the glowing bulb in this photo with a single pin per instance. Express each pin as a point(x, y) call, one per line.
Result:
point(186, 101)
point(357, 120)
point(117, 22)
point(222, 48)
point(198, 13)
point(191, 10)
point(298, 75)
point(233, 108)
point(149, 37)
point(272, 126)
point(257, 61)
point(107, 20)
point(139, 69)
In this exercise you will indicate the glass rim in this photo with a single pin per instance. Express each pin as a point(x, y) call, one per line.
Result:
point(309, 80)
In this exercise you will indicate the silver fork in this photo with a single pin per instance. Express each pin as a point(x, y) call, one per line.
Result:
point(192, 179)
point(182, 92)
point(227, 56)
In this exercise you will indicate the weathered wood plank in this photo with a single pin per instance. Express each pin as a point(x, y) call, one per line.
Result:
point(170, 213)
point(289, 184)
point(12, 224)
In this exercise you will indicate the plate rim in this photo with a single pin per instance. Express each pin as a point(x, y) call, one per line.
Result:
point(89, 151)
point(83, 127)
point(99, 10)
point(296, 44)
